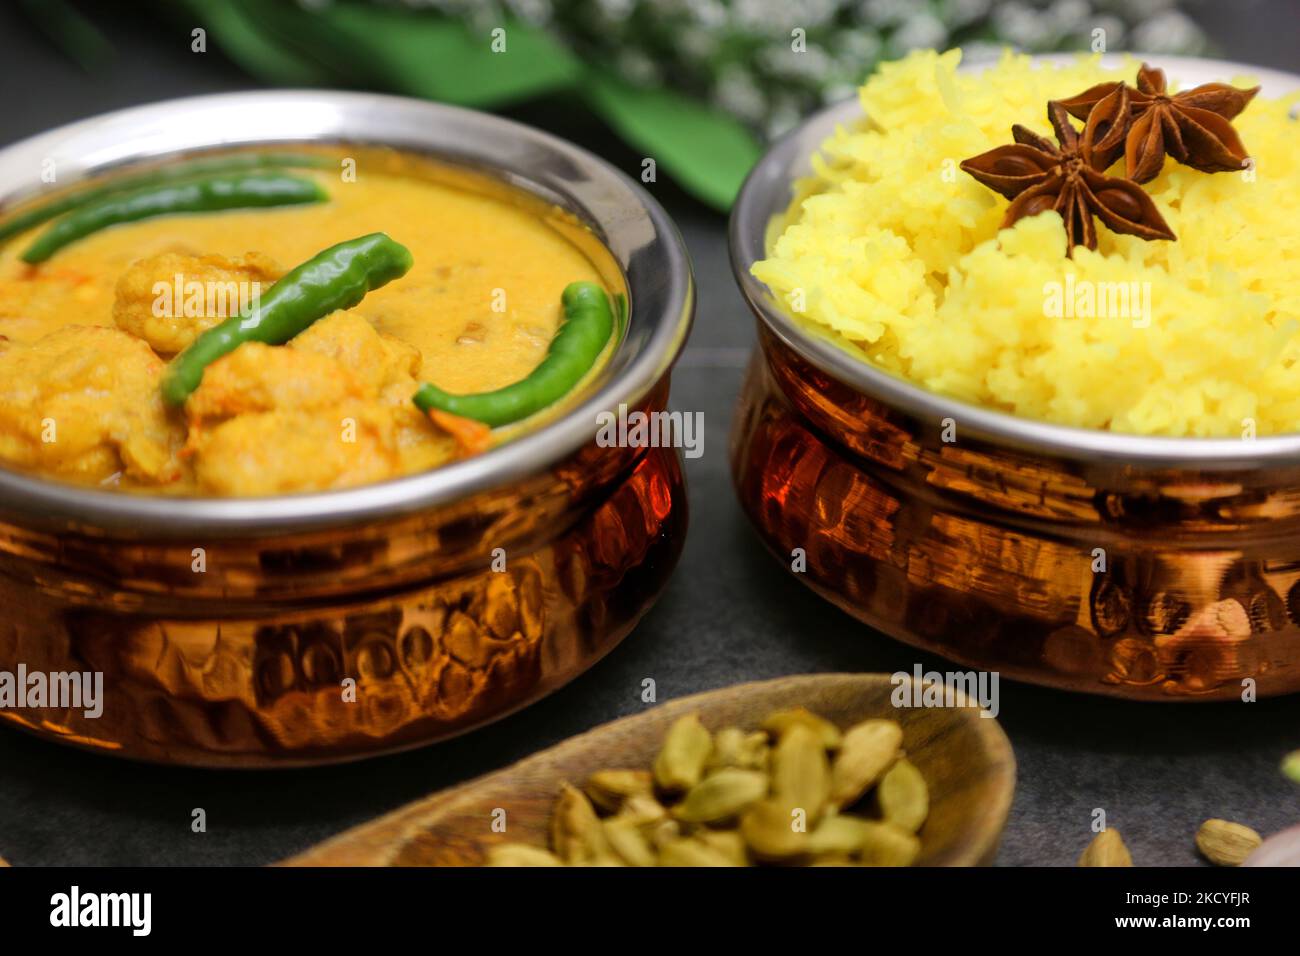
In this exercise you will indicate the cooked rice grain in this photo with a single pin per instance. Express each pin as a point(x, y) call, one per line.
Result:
point(896, 250)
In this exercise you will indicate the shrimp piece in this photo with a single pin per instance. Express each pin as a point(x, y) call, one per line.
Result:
point(83, 403)
point(170, 299)
point(379, 360)
point(331, 409)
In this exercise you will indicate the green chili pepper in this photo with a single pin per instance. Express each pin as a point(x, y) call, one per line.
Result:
point(238, 162)
point(211, 194)
point(587, 325)
point(337, 278)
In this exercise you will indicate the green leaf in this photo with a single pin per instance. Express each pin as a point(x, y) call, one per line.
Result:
point(422, 54)
point(238, 35)
point(71, 32)
point(708, 152)
point(414, 52)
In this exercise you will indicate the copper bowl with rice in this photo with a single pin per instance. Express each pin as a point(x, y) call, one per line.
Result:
point(1130, 565)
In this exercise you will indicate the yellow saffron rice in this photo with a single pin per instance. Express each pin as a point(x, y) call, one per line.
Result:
point(897, 252)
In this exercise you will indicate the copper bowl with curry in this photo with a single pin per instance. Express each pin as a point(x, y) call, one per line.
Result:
point(1131, 565)
point(294, 563)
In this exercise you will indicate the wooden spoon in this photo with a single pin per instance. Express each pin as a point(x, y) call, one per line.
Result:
point(965, 758)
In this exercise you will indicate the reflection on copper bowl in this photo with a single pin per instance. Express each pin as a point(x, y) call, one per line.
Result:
point(1153, 568)
point(392, 585)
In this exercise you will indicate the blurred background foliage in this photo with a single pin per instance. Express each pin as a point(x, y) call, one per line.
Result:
point(699, 85)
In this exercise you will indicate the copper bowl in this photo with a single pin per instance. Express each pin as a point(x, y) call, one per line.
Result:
point(338, 625)
point(1152, 568)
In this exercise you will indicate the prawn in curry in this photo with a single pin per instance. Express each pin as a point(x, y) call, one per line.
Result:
point(94, 335)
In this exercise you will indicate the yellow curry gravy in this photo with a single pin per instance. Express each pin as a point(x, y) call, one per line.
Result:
point(82, 344)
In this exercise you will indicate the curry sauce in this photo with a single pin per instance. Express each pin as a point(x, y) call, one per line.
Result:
point(84, 341)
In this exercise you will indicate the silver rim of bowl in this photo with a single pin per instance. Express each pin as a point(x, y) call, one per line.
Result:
point(766, 192)
point(633, 226)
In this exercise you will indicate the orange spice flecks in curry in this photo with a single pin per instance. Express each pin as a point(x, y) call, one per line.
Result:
point(83, 342)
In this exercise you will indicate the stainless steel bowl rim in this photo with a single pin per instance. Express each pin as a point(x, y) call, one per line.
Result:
point(767, 190)
point(635, 228)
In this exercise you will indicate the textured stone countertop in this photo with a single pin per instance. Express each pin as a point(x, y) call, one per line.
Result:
point(730, 614)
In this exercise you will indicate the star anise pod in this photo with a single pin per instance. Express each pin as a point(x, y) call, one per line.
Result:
point(1193, 126)
point(1037, 175)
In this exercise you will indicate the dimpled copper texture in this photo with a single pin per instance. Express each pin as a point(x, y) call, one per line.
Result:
point(1135, 566)
point(1161, 586)
point(263, 679)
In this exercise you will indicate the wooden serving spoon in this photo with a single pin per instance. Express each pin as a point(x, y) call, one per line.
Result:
point(966, 759)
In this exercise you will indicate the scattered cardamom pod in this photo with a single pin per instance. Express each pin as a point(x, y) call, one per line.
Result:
point(1225, 843)
point(628, 843)
point(722, 795)
point(774, 830)
point(576, 834)
point(1106, 849)
point(778, 723)
point(732, 747)
point(643, 810)
point(801, 774)
point(755, 754)
point(521, 854)
point(727, 842)
point(1291, 765)
point(728, 749)
point(686, 749)
point(664, 832)
point(689, 851)
point(607, 789)
point(728, 744)
point(739, 798)
point(866, 751)
point(838, 835)
point(903, 796)
point(887, 845)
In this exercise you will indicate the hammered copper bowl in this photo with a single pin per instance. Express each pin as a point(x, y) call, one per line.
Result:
point(246, 663)
point(1152, 568)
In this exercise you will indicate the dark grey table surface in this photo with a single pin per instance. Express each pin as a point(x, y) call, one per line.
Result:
point(730, 613)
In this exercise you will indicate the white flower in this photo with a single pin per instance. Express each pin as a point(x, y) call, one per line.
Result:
point(534, 12)
point(636, 67)
point(963, 12)
point(886, 13)
point(1070, 16)
point(779, 60)
point(1168, 32)
point(615, 11)
point(921, 30)
point(1021, 25)
point(738, 94)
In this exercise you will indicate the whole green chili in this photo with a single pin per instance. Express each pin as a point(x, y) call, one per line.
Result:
point(210, 194)
point(337, 278)
point(234, 163)
point(586, 328)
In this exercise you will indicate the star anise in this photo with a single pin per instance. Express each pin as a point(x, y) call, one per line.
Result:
point(1193, 126)
point(1037, 175)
